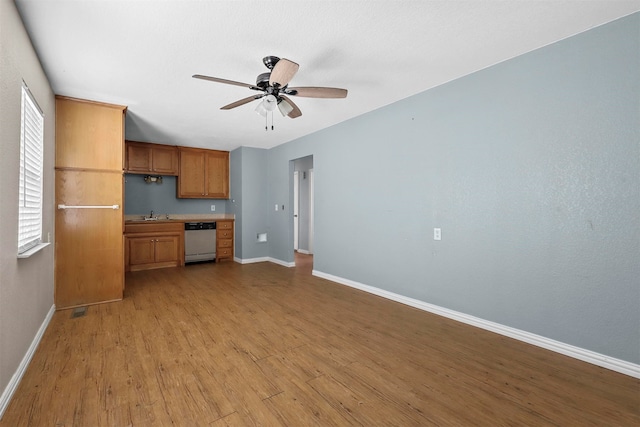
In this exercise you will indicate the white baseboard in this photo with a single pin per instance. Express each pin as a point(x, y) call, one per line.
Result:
point(251, 260)
point(280, 262)
point(589, 356)
point(304, 251)
point(265, 259)
point(7, 394)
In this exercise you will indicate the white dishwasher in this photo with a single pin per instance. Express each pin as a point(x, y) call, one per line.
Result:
point(199, 241)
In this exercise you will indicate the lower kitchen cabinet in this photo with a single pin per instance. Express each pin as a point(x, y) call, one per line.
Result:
point(154, 245)
point(224, 239)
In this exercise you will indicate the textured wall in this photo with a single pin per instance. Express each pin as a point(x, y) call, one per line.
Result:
point(140, 198)
point(254, 203)
point(530, 167)
point(234, 205)
point(26, 285)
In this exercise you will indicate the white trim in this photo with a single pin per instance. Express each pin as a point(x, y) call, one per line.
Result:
point(280, 262)
point(304, 251)
point(589, 356)
point(312, 196)
point(264, 259)
point(7, 394)
point(37, 248)
point(251, 260)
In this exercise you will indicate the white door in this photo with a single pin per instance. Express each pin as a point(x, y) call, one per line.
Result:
point(296, 195)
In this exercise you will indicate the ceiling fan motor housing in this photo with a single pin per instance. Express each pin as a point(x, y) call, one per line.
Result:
point(262, 81)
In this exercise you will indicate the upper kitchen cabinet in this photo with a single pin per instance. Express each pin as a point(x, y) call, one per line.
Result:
point(144, 158)
point(204, 174)
point(89, 135)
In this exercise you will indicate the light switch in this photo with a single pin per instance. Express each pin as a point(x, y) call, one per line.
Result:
point(437, 234)
point(276, 207)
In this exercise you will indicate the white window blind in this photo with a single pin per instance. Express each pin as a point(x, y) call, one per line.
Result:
point(31, 152)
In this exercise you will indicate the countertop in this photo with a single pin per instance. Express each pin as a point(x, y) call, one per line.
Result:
point(178, 218)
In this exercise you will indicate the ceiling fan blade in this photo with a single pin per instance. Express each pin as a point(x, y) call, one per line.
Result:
point(241, 102)
point(296, 111)
point(317, 92)
point(225, 81)
point(283, 72)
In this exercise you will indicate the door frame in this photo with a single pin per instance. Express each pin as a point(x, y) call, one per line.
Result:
point(296, 209)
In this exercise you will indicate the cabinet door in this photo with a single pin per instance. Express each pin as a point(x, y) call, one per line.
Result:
point(167, 249)
point(138, 158)
point(191, 179)
point(89, 249)
point(141, 250)
point(217, 176)
point(165, 160)
point(89, 135)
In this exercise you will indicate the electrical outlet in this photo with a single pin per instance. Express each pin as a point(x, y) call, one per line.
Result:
point(437, 234)
point(213, 208)
point(276, 207)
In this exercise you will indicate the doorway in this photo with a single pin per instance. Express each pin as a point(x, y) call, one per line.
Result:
point(303, 200)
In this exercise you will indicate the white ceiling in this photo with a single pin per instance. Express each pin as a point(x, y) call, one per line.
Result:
point(143, 53)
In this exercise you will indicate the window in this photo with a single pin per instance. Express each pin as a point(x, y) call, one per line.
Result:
point(31, 153)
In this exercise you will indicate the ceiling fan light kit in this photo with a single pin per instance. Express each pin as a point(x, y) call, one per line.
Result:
point(274, 86)
point(284, 107)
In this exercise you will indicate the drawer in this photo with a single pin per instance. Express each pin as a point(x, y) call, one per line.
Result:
point(224, 252)
point(224, 225)
point(153, 227)
point(225, 243)
point(225, 234)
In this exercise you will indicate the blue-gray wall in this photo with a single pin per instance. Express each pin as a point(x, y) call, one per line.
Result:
point(141, 197)
point(530, 167)
point(235, 201)
point(249, 201)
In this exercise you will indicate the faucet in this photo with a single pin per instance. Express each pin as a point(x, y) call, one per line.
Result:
point(151, 216)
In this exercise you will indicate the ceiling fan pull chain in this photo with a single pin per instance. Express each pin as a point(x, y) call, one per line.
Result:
point(266, 128)
point(272, 120)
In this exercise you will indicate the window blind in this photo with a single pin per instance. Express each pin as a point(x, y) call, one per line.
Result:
point(31, 153)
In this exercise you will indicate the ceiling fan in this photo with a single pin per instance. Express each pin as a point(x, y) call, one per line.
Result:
point(275, 89)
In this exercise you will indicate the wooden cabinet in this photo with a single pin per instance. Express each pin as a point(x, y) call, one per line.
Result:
point(89, 135)
point(145, 158)
point(154, 245)
point(204, 174)
point(224, 239)
point(89, 184)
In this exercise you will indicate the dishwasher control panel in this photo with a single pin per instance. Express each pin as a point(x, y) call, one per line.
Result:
point(199, 225)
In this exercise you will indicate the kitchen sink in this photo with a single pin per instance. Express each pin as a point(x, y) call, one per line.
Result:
point(149, 219)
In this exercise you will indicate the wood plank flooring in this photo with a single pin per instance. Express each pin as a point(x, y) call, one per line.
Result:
point(260, 344)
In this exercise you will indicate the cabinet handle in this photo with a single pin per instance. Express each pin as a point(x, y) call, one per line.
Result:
point(88, 207)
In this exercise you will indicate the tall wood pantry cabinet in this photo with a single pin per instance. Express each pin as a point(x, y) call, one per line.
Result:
point(89, 250)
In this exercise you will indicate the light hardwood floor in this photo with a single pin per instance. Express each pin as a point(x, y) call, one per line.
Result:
point(260, 344)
